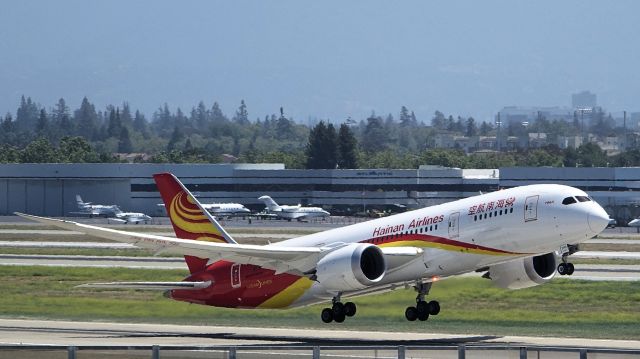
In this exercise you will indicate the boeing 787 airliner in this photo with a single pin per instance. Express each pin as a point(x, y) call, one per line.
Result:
point(518, 237)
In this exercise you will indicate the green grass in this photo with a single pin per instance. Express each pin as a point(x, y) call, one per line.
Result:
point(469, 305)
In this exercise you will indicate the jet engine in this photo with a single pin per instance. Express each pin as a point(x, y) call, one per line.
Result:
point(352, 267)
point(523, 273)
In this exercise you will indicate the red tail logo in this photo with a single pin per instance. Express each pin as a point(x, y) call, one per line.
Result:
point(189, 219)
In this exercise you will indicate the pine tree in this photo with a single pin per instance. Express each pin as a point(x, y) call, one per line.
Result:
point(87, 119)
point(176, 136)
point(321, 149)
point(124, 142)
point(242, 115)
point(27, 115)
point(42, 127)
point(114, 128)
point(140, 125)
point(347, 144)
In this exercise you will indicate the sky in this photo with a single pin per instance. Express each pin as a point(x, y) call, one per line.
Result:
point(321, 59)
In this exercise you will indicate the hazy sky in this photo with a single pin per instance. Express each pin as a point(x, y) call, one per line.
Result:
point(322, 59)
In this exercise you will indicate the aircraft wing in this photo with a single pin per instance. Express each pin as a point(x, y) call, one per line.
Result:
point(279, 258)
point(149, 285)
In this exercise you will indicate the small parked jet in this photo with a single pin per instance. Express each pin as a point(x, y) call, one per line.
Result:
point(519, 237)
point(292, 212)
point(224, 209)
point(95, 210)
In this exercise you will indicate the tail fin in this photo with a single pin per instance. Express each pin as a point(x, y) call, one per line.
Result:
point(189, 219)
point(270, 203)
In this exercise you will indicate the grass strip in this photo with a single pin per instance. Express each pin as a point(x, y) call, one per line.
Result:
point(469, 305)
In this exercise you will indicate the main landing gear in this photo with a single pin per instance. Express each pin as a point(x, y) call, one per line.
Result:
point(338, 311)
point(567, 268)
point(423, 309)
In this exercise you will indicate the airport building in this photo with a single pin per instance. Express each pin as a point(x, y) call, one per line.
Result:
point(50, 189)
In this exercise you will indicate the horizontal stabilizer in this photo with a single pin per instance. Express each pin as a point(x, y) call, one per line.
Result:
point(149, 285)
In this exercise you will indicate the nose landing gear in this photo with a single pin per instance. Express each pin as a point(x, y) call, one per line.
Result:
point(567, 268)
point(339, 311)
point(423, 309)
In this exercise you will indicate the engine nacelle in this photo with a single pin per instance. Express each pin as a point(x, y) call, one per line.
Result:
point(523, 273)
point(352, 267)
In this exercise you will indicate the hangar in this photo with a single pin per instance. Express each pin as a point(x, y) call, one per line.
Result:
point(50, 189)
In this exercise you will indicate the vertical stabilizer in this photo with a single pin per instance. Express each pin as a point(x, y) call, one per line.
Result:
point(189, 219)
point(270, 203)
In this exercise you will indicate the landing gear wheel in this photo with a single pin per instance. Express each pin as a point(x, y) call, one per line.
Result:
point(339, 318)
point(338, 309)
point(434, 307)
point(327, 315)
point(423, 310)
point(411, 313)
point(570, 268)
point(350, 309)
point(562, 269)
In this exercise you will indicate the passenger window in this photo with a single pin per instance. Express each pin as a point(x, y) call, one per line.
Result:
point(436, 227)
point(490, 214)
point(475, 218)
point(431, 228)
point(485, 216)
point(568, 201)
point(583, 198)
point(501, 212)
point(511, 210)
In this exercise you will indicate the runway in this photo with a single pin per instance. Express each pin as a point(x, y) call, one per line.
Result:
point(15, 331)
point(583, 271)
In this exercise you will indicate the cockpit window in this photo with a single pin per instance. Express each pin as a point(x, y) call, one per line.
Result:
point(583, 198)
point(568, 200)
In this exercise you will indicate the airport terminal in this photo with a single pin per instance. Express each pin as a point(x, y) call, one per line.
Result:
point(50, 189)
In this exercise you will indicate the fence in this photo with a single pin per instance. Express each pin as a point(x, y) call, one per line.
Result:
point(316, 352)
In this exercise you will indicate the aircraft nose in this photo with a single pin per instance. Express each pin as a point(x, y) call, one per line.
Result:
point(598, 219)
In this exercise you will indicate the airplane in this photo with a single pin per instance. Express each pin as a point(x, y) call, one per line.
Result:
point(131, 217)
point(95, 210)
point(518, 237)
point(224, 209)
point(292, 212)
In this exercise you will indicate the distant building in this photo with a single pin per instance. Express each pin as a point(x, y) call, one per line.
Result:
point(520, 114)
point(584, 99)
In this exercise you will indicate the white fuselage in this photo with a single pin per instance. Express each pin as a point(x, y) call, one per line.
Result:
point(226, 209)
point(470, 233)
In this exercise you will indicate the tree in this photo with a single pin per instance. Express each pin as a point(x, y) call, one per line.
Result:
point(347, 148)
point(114, 128)
point(216, 114)
point(407, 119)
point(87, 119)
point(61, 118)
point(176, 137)
point(472, 129)
point(242, 115)
point(485, 128)
point(124, 142)
point(76, 150)
point(321, 150)
point(27, 114)
point(39, 151)
point(140, 124)
point(284, 127)
point(439, 121)
point(591, 155)
point(375, 137)
point(42, 127)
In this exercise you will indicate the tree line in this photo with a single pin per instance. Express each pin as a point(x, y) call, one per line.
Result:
point(205, 133)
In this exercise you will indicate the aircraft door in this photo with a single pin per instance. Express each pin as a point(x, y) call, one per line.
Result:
point(454, 227)
point(531, 208)
point(235, 276)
